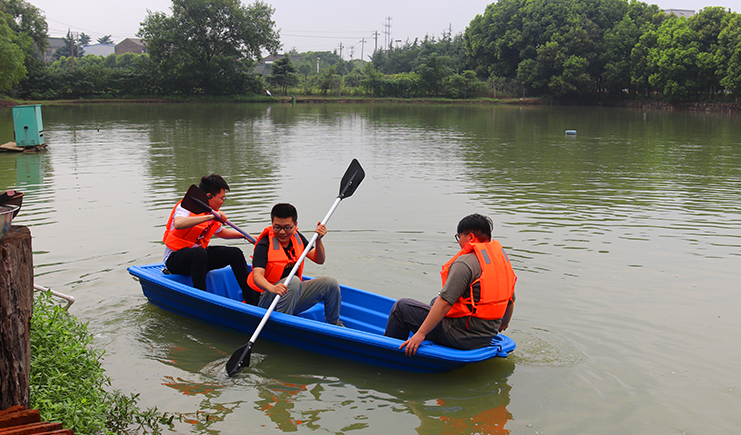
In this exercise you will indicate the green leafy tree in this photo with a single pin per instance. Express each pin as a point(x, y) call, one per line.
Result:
point(29, 28)
point(28, 23)
point(83, 39)
point(372, 81)
point(329, 79)
point(433, 72)
point(11, 57)
point(283, 73)
point(551, 46)
point(728, 54)
point(305, 68)
point(105, 40)
point(708, 24)
point(619, 42)
point(640, 70)
point(207, 46)
point(672, 62)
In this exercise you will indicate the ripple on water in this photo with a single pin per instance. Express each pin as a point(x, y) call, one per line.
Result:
point(544, 348)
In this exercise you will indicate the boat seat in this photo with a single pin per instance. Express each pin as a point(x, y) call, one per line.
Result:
point(223, 283)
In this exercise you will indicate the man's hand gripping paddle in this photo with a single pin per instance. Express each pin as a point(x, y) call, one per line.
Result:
point(350, 181)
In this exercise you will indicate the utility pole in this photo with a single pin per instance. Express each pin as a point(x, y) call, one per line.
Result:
point(375, 36)
point(317, 65)
point(362, 50)
point(387, 33)
point(72, 46)
point(341, 46)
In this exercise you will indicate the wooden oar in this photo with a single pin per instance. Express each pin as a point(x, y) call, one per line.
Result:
point(350, 181)
point(196, 201)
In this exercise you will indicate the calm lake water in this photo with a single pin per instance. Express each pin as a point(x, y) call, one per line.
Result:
point(626, 239)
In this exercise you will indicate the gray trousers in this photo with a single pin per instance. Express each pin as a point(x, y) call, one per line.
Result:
point(407, 315)
point(303, 295)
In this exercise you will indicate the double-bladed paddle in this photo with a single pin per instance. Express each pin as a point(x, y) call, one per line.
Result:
point(350, 181)
point(196, 201)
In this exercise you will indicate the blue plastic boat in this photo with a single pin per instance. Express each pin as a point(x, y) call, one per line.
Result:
point(364, 315)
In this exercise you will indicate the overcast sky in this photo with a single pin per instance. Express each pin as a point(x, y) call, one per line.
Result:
point(305, 25)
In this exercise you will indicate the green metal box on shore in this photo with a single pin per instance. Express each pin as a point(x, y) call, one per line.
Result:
point(29, 128)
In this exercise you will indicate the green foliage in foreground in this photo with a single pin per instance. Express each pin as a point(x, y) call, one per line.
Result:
point(68, 383)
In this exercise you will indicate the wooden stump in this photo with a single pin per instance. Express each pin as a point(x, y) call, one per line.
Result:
point(16, 305)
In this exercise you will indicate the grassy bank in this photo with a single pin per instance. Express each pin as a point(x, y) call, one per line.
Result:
point(68, 382)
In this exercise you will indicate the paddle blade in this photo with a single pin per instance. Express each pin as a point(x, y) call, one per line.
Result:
point(351, 180)
point(237, 360)
point(196, 200)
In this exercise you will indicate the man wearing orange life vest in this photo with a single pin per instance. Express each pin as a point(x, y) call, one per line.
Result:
point(476, 301)
point(277, 249)
point(187, 236)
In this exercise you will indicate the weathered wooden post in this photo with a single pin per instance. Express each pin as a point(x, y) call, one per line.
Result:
point(16, 305)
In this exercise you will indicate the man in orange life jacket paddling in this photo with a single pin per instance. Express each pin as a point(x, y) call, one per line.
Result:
point(277, 249)
point(187, 236)
point(476, 301)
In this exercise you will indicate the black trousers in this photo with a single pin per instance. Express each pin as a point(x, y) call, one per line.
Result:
point(196, 262)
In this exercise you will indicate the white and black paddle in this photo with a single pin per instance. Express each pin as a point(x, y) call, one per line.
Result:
point(350, 181)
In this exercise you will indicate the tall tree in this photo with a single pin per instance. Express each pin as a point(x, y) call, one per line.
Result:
point(283, 73)
point(29, 27)
point(105, 40)
point(11, 57)
point(83, 39)
point(728, 55)
point(672, 62)
point(28, 22)
point(206, 46)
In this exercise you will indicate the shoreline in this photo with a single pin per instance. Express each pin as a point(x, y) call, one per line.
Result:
point(727, 108)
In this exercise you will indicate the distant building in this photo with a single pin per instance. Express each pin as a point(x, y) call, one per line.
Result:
point(99, 49)
point(131, 45)
point(51, 47)
point(680, 12)
point(263, 66)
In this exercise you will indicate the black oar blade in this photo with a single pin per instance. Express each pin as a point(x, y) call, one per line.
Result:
point(351, 180)
point(196, 200)
point(237, 360)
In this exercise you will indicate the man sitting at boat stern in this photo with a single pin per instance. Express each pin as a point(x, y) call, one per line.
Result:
point(276, 252)
point(476, 301)
point(187, 236)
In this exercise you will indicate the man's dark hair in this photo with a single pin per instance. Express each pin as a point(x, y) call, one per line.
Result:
point(213, 184)
point(477, 224)
point(284, 210)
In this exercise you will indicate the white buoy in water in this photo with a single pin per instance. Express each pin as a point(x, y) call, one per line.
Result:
point(570, 132)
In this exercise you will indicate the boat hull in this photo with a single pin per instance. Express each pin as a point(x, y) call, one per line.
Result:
point(363, 313)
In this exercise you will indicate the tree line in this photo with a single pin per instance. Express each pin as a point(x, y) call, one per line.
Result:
point(561, 50)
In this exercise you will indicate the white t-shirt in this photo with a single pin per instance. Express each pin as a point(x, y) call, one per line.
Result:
point(180, 211)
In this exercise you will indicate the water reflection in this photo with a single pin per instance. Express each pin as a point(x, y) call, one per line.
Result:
point(315, 391)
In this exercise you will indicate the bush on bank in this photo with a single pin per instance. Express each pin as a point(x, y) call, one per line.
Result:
point(68, 382)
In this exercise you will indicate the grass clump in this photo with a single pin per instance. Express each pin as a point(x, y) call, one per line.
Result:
point(68, 382)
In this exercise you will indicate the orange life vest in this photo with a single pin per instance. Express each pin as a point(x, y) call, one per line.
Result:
point(201, 234)
point(496, 283)
point(278, 260)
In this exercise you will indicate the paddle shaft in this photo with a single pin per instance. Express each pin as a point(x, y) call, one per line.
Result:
point(207, 207)
point(292, 273)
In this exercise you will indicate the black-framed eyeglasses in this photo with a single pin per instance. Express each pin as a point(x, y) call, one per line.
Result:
point(279, 228)
point(457, 237)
